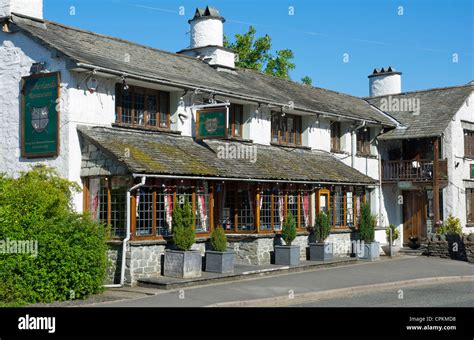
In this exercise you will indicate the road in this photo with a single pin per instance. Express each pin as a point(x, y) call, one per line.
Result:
point(459, 294)
point(287, 287)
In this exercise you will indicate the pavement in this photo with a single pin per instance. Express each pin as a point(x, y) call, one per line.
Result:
point(364, 278)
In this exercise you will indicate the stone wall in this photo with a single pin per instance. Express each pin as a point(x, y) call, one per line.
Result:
point(449, 246)
point(114, 264)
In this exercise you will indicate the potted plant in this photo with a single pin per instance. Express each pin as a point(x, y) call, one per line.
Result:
point(395, 235)
point(219, 259)
point(321, 250)
point(183, 262)
point(288, 254)
point(369, 249)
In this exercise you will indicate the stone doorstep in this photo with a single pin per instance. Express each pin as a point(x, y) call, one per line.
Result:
point(241, 272)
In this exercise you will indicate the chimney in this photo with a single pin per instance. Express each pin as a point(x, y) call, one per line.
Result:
point(31, 8)
point(207, 39)
point(385, 81)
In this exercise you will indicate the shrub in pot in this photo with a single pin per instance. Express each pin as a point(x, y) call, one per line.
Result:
point(369, 249)
point(395, 235)
point(288, 254)
point(321, 250)
point(183, 262)
point(219, 259)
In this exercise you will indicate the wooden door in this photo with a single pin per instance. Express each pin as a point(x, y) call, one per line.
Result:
point(414, 214)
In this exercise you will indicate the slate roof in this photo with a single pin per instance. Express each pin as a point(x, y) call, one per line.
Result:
point(172, 154)
point(101, 51)
point(437, 108)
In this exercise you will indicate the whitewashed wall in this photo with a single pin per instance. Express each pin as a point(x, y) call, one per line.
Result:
point(454, 196)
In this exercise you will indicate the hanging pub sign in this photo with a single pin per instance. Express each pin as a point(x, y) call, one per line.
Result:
point(212, 123)
point(40, 115)
point(472, 170)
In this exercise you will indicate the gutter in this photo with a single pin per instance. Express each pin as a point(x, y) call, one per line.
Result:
point(127, 235)
point(184, 86)
point(204, 178)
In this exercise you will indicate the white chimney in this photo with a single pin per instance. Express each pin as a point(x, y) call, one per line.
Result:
point(385, 81)
point(207, 39)
point(31, 8)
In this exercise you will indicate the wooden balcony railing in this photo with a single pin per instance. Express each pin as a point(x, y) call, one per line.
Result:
point(412, 170)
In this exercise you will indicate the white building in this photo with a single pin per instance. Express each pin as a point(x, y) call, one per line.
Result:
point(129, 114)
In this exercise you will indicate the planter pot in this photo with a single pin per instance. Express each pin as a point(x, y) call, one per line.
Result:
point(369, 251)
point(320, 251)
point(182, 264)
point(219, 261)
point(386, 249)
point(287, 255)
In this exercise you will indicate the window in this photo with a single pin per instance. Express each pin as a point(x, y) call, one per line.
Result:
point(286, 129)
point(138, 106)
point(335, 136)
point(235, 120)
point(469, 143)
point(238, 210)
point(470, 205)
point(272, 204)
point(349, 209)
point(338, 208)
point(363, 142)
point(144, 212)
point(163, 211)
point(106, 202)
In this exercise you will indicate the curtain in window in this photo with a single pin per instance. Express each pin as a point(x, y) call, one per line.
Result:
point(169, 205)
point(281, 207)
point(94, 187)
point(306, 208)
point(202, 205)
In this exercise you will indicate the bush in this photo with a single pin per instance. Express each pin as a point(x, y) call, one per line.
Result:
point(395, 233)
point(451, 226)
point(367, 224)
point(183, 221)
point(288, 232)
point(68, 255)
point(219, 239)
point(322, 227)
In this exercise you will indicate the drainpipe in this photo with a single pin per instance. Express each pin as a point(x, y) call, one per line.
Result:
point(353, 145)
point(127, 235)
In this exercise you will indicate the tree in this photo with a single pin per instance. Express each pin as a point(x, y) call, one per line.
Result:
point(254, 53)
point(307, 80)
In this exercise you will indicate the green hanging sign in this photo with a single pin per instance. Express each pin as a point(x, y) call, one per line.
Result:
point(472, 170)
point(211, 123)
point(40, 115)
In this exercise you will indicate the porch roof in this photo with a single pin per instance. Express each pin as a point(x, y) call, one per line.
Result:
point(158, 153)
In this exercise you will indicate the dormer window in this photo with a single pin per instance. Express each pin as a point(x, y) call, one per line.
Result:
point(141, 107)
point(286, 129)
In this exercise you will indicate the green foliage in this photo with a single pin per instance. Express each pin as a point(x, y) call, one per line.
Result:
point(288, 231)
point(183, 221)
point(219, 239)
point(367, 223)
point(395, 233)
point(307, 80)
point(254, 53)
point(322, 227)
point(70, 257)
point(451, 226)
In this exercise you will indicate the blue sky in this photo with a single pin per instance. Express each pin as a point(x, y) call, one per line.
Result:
point(420, 43)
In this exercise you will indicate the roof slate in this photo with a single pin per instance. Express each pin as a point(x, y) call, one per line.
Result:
point(91, 48)
point(437, 107)
point(171, 154)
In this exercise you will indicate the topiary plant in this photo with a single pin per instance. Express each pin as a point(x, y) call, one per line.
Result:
point(219, 239)
point(183, 221)
point(288, 231)
point(395, 233)
point(367, 225)
point(322, 227)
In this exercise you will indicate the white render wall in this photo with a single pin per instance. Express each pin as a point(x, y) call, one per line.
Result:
point(454, 195)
